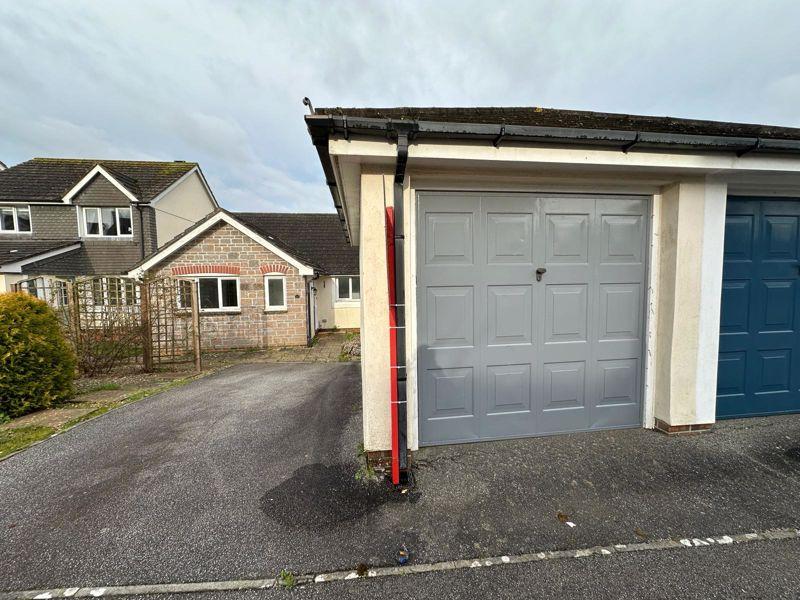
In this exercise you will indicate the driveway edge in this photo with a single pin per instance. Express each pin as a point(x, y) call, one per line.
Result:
point(686, 543)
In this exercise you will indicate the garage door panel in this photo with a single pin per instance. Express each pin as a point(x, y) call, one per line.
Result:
point(450, 317)
point(759, 349)
point(567, 238)
point(780, 238)
point(731, 369)
point(509, 389)
point(566, 313)
point(778, 305)
point(509, 315)
point(451, 392)
point(449, 238)
point(509, 238)
point(564, 397)
point(449, 405)
point(774, 370)
point(620, 311)
point(532, 347)
point(621, 240)
point(564, 386)
point(739, 238)
point(618, 382)
point(735, 307)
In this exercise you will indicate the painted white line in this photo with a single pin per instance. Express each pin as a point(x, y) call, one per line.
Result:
point(451, 565)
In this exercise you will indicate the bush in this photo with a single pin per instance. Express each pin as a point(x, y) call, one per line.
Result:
point(37, 366)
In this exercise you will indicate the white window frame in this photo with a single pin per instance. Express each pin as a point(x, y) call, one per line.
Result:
point(122, 292)
point(219, 277)
point(350, 299)
point(100, 233)
point(267, 306)
point(16, 229)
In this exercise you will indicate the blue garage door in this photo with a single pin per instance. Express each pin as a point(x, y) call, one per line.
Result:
point(759, 343)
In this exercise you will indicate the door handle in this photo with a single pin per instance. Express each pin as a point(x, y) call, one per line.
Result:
point(539, 272)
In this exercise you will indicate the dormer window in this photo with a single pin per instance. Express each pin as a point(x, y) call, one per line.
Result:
point(107, 222)
point(15, 219)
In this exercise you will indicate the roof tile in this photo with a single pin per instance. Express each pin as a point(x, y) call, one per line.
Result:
point(49, 179)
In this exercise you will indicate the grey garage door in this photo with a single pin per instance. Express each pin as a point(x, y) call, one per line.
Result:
point(502, 354)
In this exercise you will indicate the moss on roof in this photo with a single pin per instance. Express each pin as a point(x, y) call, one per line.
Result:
point(45, 179)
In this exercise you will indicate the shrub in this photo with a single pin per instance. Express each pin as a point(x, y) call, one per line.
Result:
point(37, 366)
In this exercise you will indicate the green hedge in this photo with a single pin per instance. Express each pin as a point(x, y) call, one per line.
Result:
point(37, 366)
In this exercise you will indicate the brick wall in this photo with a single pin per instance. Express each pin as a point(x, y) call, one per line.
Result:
point(225, 250)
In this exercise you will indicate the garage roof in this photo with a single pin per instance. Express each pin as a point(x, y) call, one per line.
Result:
point(573, 119)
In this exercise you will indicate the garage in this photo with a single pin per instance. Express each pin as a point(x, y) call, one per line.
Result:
point(530, 314)
point(759, 357)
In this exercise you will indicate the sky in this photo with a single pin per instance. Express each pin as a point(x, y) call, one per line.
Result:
point(221, 83)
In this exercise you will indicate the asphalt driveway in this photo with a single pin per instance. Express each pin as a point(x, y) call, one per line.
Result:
point(251, 470)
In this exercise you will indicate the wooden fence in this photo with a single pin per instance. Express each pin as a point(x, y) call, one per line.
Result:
point(117, 321)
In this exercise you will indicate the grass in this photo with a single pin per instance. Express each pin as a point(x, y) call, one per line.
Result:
point(12, 440)
point(101, 387)
point(133, 397)
point(286, 579)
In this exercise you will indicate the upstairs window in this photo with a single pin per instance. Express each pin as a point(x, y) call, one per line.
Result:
point(15, 219)
point(348, 288)
point(108, 222)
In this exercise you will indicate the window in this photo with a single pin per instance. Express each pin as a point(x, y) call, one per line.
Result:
point(275, 290)
point(114, 291)
point(60, 293)
point(35, 287)
point(108, 222)
point(184, 298)
point(15, 219)
point(218, 293)
point(348, 288)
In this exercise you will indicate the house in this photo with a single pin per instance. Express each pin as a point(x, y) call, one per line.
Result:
point(562, 271)
point(68, 218)
point(264, 279)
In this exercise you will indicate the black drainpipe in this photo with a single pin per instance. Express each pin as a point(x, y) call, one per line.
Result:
point(309, 299)
point(400, 291)
point(143, 252)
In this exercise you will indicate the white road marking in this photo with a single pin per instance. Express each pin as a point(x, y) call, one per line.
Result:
point(452, 565)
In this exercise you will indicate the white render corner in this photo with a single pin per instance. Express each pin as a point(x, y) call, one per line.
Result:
point(689, 286)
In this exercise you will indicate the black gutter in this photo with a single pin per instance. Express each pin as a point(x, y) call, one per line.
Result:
point(322, 126)
point(319, 137)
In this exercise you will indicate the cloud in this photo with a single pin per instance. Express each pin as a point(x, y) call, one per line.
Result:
point(222, 83)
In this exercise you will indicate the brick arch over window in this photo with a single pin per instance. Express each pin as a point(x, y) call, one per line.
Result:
point(275, 268)
point(206, 269)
